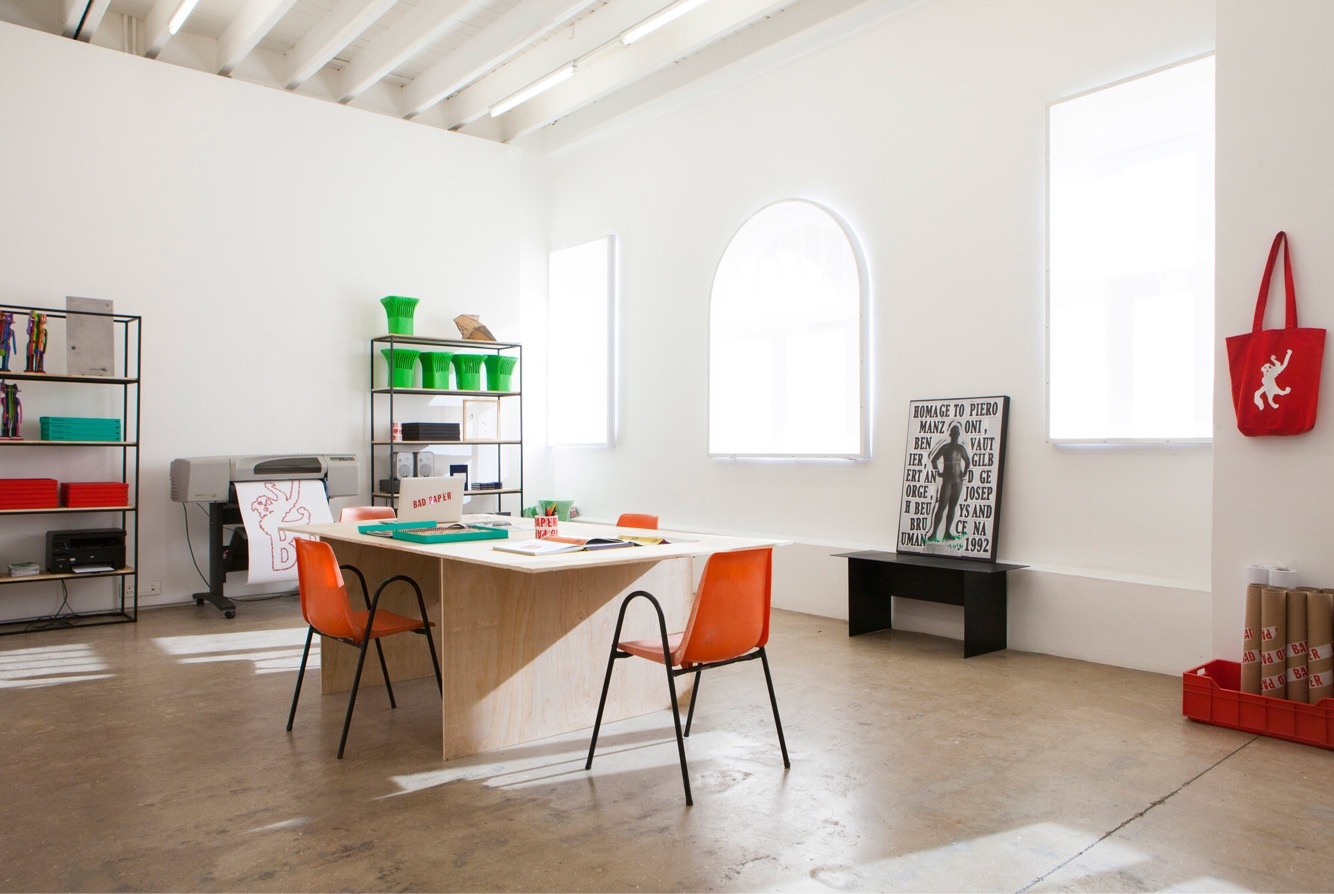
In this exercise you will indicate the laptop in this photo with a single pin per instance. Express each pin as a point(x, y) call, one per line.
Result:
point(434, 499)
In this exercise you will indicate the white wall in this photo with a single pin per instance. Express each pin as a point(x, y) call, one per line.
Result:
point(925, 130)
point(190, 198)
point(255, 232)
point(1275, 92)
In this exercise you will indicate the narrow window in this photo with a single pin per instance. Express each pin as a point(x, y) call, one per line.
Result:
point(581, 294)
point(1131, 259)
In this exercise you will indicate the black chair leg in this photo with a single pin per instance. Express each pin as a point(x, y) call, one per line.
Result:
point(384, 669)
point(773, 701)
point(352, 699)
point(671, 686)
point(694, 697)
point(426, 631)
point(676, 710)
point(300, 674)
point(606, 681)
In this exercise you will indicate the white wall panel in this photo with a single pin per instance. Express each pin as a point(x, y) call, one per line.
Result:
point(255, 232)
point(925, 130)
point(1272, 495)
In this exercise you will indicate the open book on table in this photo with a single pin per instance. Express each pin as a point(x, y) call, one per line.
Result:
point(558, 544)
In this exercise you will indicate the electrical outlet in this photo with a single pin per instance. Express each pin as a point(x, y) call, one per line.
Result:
point(151, 588)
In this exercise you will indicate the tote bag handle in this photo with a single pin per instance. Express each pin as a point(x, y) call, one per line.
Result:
point(1291, 310)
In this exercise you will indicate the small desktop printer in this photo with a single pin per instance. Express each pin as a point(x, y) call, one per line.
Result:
point(90, 549)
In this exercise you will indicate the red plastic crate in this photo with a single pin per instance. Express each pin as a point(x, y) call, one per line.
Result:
point(1210, 693)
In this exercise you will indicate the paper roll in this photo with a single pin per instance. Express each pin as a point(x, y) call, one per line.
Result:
point(1257, 574)
point(1283, 577)
point(1320, 644)
point(1298, 687)
point(268, 505)
point(1250, 641)
point(1273, 642)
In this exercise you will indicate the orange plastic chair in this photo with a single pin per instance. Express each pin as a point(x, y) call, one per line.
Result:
point(637, 520)
point(729, 623)
point(328, 611)
point(365, 513)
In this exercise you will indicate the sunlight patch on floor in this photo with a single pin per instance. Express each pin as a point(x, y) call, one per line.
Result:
point(50, 666)
point(269, 651)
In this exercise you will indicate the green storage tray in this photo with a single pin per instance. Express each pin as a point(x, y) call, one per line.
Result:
point(420, 534)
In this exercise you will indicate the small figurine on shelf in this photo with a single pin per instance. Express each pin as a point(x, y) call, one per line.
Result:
point(9, 343)
point(13, 412)
point(36, 341)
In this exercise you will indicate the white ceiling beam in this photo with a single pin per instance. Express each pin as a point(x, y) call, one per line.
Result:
point(773, 42)
point(252, 23)
point(523, 25)
point(71, 14)
point(687, 35)
point(589, 33)
point(156, 30)
point(92, 20)
point(407, 37)
point(344, 24)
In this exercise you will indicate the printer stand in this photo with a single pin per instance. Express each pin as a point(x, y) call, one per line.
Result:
point(220, 560)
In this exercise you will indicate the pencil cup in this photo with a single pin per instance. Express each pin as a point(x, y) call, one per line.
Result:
point(546, 526)
point(562, 508)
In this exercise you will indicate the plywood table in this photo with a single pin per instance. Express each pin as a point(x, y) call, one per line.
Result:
point(522, 640)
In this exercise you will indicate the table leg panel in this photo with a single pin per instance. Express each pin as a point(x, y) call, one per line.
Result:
point(525, 654)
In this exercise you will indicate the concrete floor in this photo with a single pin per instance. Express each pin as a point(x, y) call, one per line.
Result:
point(152, 757)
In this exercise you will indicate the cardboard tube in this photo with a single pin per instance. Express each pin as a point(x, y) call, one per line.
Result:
point(1273, 642)
point(1320, 644)
point(1250, 641)
point(1298, 687)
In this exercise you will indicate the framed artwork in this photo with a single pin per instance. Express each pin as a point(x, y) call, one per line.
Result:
point(951, 500)
point(481, 420)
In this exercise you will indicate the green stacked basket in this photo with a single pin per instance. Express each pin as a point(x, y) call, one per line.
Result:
point(500, 372)
point(468, 372)
point(399, 310)
point(402, 366)
point(435, 369)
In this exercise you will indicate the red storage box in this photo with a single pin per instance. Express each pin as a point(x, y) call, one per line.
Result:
point(1210, 693)
point(29, 493)
point(87, 494)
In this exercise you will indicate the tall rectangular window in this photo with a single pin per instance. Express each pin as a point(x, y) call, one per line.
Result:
point(581, 292)
point(1130, 303)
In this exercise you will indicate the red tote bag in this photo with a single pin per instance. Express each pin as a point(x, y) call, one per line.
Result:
point(1276, 372)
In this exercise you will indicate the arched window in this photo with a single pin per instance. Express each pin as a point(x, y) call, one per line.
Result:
point(786, 342)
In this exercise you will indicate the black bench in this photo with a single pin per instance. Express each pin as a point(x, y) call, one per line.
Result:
point(874, 577)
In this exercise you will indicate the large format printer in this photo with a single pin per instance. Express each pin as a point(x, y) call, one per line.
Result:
point(212, 480)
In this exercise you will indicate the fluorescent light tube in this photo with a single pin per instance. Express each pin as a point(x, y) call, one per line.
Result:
point(533, 89)
point(180, 15)
point(654, 22)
